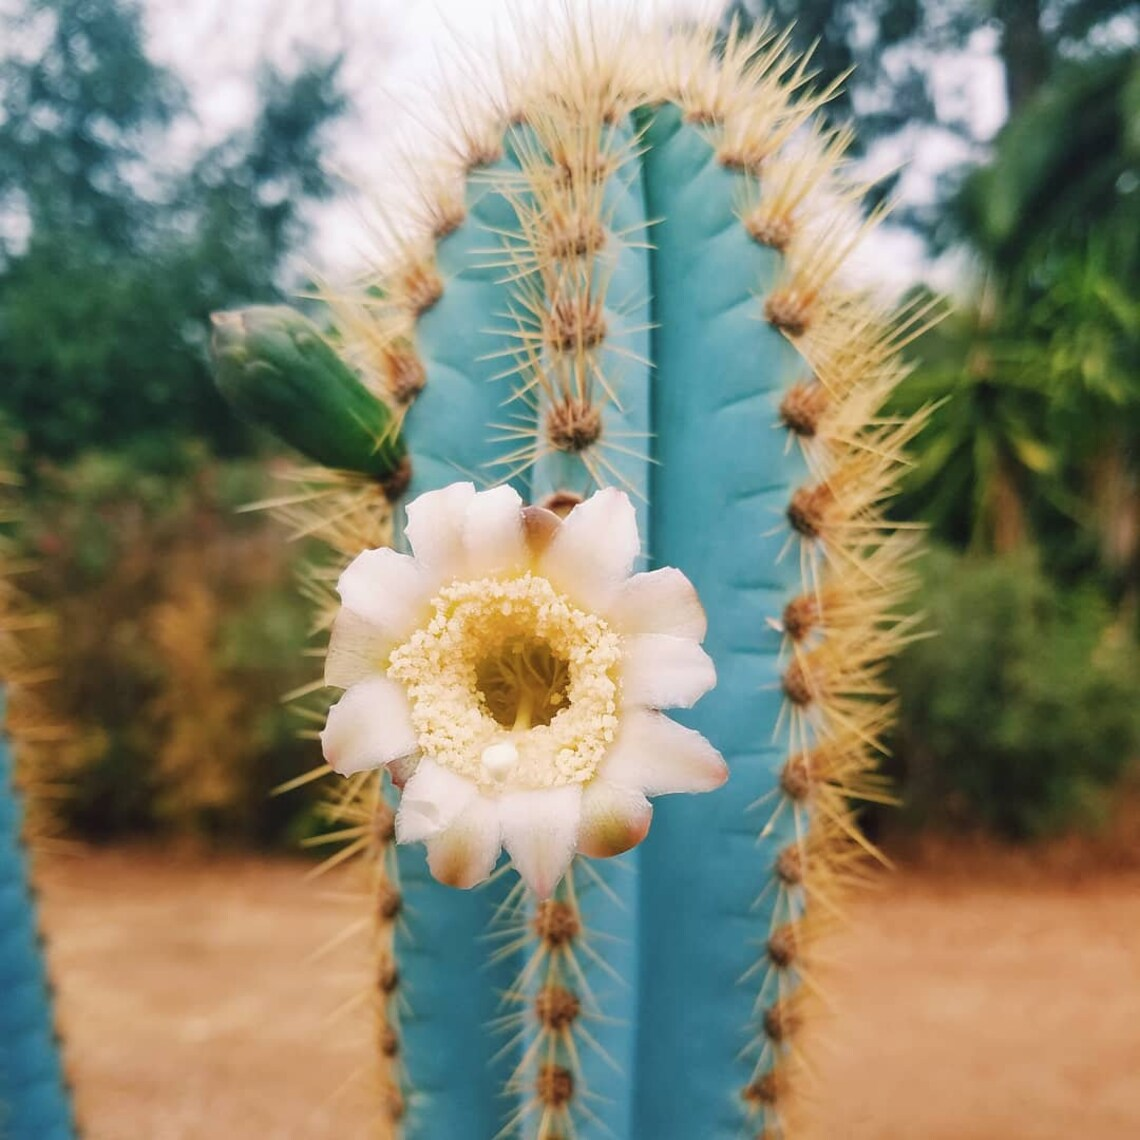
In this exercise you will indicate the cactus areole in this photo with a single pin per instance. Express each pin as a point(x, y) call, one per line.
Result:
point(628, 278)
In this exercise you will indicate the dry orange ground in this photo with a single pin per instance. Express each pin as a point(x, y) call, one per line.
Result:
point(979, 1007)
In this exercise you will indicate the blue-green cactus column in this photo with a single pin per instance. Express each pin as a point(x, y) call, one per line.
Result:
point(34, 1099)
point(607, 892)
point(720, 490)
point(450, 992)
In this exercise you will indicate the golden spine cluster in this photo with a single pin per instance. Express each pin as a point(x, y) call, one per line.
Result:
point(550, 1008)
point(22, 671)
point(750, 99)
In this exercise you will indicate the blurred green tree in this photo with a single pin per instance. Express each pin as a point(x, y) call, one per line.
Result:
point(1021, 715)
point(985, 446)
point(892, 45)
point(1043, 367)
point(111, 258)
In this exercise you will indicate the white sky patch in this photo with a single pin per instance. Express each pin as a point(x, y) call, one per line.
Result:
point(398, 54)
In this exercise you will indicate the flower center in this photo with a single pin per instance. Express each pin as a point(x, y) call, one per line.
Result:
point(511, 685)
point(523, 682)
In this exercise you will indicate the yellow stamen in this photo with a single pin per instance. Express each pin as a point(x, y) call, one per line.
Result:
point(512, 684)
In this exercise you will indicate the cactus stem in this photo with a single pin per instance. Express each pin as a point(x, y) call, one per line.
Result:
point(549, 207)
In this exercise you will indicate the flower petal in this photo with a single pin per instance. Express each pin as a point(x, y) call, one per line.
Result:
point(357, 650)
point(402, 770)
point(493, 532)
point(540, 831)
point(595, 548)
point(370, 726)
point(539, 527)
point(665, 672)
point(655, 755)
point(660, 601)
point(387, 589)
point(614, 819)
point(432, 800)
point(435, 527)
point(466, 853)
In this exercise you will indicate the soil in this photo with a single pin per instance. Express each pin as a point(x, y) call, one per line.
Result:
point(976, 1004)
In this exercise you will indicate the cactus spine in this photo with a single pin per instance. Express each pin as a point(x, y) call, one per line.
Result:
point(634, 275)
point(34, 1098)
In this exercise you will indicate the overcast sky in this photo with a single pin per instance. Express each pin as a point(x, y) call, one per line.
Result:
point(396, 49)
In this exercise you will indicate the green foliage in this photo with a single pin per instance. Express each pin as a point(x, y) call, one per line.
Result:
point(1038, 430)
point(984, 444)
point(1021, 714)
point(103, 302)
point(179, 631)
point(1051, 185)
point(890, 45)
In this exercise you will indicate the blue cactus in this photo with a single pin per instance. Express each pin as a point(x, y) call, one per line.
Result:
point(635, 279)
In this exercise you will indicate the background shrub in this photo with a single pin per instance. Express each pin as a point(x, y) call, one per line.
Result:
point(1023, 711)
point(180, 629)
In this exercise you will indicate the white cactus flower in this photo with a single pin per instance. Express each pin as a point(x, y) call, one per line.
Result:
point(511, 673)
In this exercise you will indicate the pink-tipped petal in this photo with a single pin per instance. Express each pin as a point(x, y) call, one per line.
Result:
point(493, 534)
point(540, 832)
point(370, 726)
point(614, 819)
point(435, 527)
point(387, 589)
point(665, 672)
point(402, 770)
point(655, 755)
point(357, 651)
point(594, 550)
point(431, 801)
point(465, 854)
point(660, 601)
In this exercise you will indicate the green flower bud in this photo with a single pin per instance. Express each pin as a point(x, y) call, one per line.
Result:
point(277, 370)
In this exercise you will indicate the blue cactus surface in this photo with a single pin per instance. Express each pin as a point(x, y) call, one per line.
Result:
point(34, 1099)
